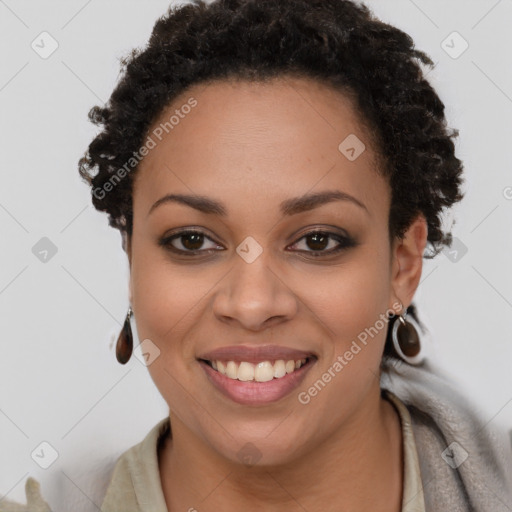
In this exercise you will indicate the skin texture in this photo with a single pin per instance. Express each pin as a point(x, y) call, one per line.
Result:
point(252, 146)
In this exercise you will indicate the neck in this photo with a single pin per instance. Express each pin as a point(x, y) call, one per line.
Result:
point(359, 467)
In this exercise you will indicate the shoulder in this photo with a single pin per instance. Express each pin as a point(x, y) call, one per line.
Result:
point(135, 481)
point(463, 459)
point(120, 489)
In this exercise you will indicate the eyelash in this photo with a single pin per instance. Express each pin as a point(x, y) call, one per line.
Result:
point(344, 242)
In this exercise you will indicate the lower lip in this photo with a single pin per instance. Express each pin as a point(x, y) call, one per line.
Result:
point(256, 393)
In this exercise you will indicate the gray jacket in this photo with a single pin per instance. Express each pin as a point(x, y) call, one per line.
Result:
point(466, 465)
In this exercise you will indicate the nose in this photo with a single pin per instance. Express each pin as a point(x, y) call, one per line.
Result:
point(255, 296)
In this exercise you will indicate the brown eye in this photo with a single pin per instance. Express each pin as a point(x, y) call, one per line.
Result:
point(189, 241)
point(318, 243)
point(192, 241)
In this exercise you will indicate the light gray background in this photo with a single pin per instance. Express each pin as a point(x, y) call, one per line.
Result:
point(60, 381)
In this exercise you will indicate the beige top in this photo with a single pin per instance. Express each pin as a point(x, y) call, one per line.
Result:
point(135, 483)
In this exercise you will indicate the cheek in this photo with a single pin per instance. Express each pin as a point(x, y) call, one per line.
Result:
point(165, 308)
point(352, 307)
point(160, 296)
point(351, 301)
point(169, 301)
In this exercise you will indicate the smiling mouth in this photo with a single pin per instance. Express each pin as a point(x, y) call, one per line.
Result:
point(263, 371)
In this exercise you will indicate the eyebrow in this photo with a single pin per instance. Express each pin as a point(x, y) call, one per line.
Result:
point(288, 207)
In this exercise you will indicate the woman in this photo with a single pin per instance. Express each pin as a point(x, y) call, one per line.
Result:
point(277, 170)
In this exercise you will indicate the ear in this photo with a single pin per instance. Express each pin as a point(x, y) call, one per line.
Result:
point(407, 260)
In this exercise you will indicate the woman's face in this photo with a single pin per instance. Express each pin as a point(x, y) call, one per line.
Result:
point(254, 287)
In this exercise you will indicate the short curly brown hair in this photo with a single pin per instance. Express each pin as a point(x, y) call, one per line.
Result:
point(338, 42)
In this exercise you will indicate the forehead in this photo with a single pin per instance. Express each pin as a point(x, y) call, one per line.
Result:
point(283, 137)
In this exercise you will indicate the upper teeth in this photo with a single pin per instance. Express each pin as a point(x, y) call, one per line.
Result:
point(260, 372)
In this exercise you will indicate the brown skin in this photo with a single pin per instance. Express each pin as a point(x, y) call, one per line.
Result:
point(251, 146)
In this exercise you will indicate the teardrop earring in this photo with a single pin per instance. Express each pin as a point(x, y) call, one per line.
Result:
point(406, 340)
point(124, 346)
